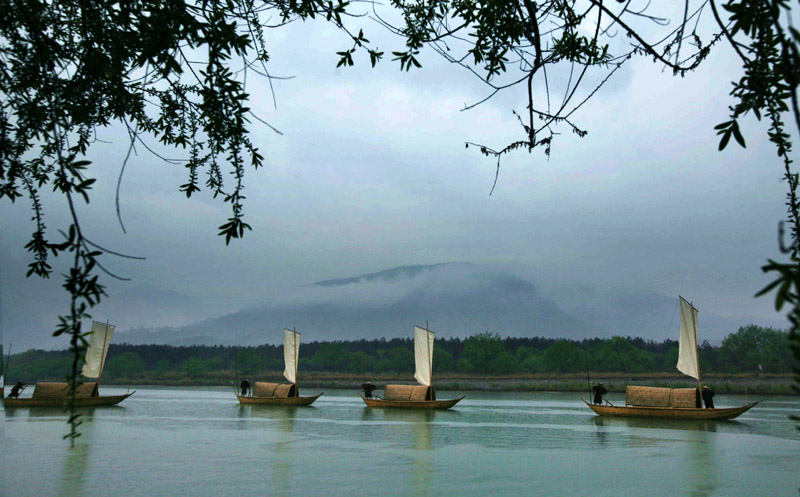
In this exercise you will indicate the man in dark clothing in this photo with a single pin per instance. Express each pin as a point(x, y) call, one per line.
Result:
point(598, 391)
point(708, 397)
point(245, 386)
point(368, 387)
point(16, 390)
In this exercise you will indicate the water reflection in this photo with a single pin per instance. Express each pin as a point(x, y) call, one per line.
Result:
point(284, 414)
point(87, 413)
point(282, 451)
point(421, 470)
point(661, 424)
point(702, 461)
point(278, 453)
point(188, 440)
point(602, 435)
point(76, 459)
point(414, 429)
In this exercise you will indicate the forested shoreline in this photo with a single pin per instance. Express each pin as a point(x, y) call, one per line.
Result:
point(752, 349)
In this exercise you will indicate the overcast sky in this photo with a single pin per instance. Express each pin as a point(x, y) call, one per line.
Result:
point(372, 172)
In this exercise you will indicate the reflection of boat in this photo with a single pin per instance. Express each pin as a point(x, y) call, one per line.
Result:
point(673, 403)
point(282, 394)
point(421, 396)
point(54, 394)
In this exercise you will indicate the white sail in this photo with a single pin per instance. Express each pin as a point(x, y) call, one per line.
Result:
point(423, 355)
point(99, 340)
point(688, 362)
point(291, 354)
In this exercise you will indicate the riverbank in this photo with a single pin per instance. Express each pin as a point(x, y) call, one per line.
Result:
point(756, 384)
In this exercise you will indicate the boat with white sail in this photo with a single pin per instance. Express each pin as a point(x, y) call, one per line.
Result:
point(421, 396)
point(673, 403)
point(87, 393)
point(281, 394)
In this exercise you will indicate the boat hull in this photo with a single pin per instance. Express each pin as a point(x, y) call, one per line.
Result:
point(412, 404)
point(101, 401)
point(277, 401)
point(669, 412)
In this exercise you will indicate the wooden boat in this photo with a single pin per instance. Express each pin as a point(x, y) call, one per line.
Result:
point(281, 394)
point(278, 401)
point(673, 403)
point(410, 404)
point(421, 396)
point(99, 401)
point(669, 412)
point(56, 394)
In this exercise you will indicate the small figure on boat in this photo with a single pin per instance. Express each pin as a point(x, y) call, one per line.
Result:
point(598, 391)
point(708, 397)
point(245, 386)
point(368, 387)
point(16, 390)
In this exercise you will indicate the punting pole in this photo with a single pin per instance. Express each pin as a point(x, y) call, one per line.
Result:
point(236, 376)
point(296, 357)
point(4, 373)
point(430, 353)
point(588, 382)
point(8, 359)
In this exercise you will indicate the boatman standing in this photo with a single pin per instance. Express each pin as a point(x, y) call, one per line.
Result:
point(598, 391)
point(368, 387)
point(708, 397)
point(245, 386)
point(16, 390)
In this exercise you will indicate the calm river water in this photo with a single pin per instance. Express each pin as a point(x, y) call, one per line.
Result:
point(201, 442)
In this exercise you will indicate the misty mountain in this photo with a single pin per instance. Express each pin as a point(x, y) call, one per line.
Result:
point(455, 299)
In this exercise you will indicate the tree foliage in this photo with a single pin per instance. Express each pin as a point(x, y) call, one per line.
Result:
point(755, 349)
point(171, 71)
point(175, 72)
point(751, 349)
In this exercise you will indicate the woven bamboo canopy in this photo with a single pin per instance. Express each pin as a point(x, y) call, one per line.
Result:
point(415, 393)
point(660, 397)
point(283, 390)
point(60, 390)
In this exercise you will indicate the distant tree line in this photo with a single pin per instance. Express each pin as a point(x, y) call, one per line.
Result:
point(750, 349)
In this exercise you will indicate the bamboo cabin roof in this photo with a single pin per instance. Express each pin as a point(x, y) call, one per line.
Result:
point(415, 393)
point(684, 397)
point(283, 390)
point(660, 397)
point(60, 390)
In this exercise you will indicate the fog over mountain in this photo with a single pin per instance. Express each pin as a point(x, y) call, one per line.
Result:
point(455, 299)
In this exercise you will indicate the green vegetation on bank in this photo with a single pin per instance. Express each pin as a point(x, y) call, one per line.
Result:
point(751, 349)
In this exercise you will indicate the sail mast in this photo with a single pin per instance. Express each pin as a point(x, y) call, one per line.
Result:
point(697, 349)
point(103, 360)
point(430, 354)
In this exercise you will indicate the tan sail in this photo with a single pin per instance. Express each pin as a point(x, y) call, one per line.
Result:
point(688, 362)
point(99, 340)
point(291, 354)
point(423, 355)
